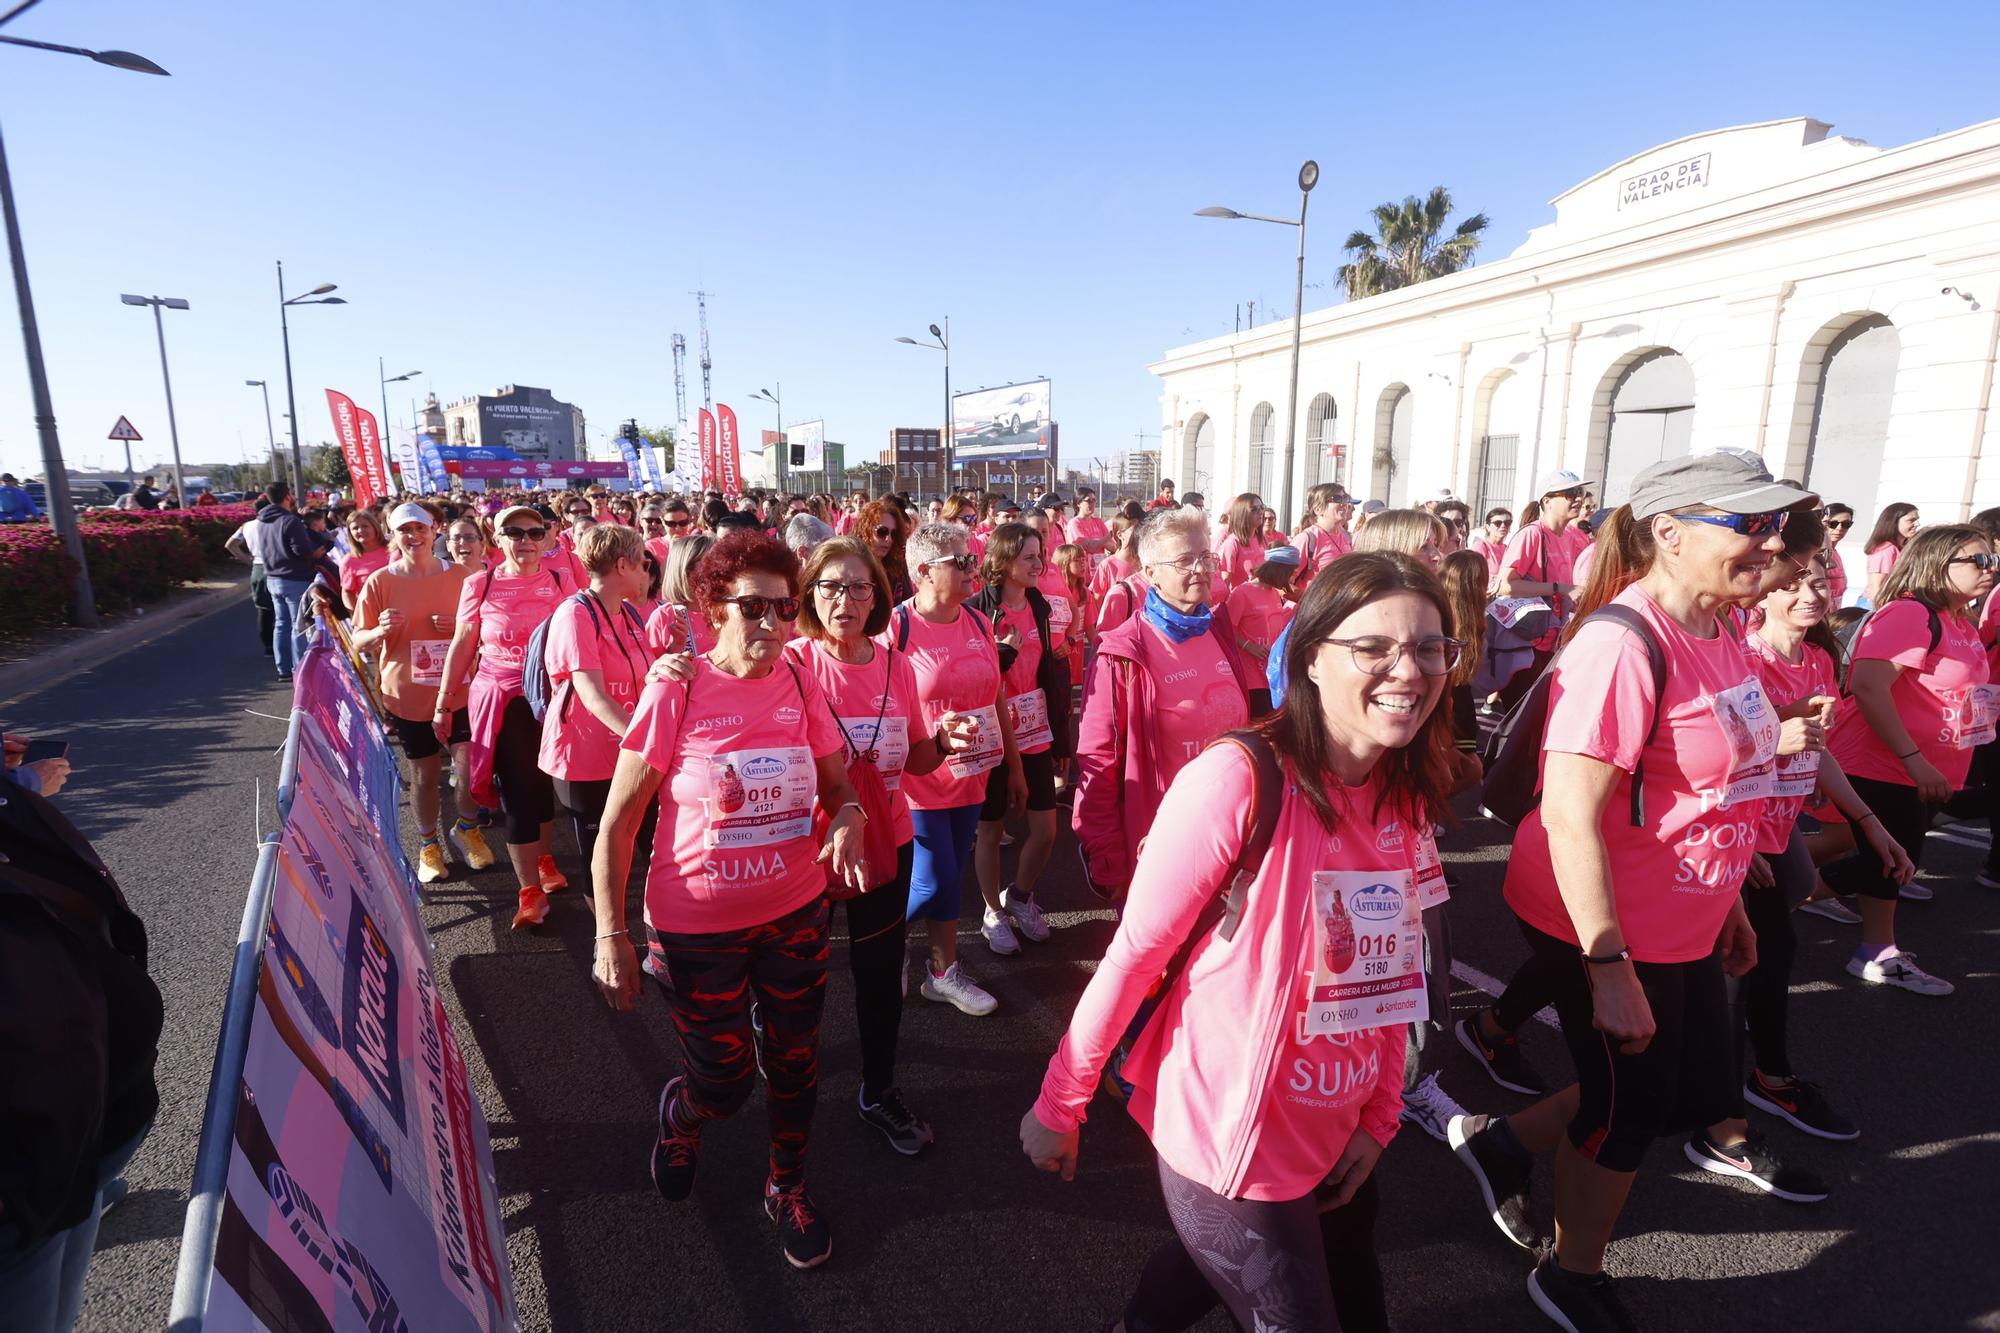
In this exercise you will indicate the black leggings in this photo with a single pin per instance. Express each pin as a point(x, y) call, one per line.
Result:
point(1759, 999)
point(526, 793)
point(876, 929)
point(1280, 1266)
point(1904, 817)
point(1532, 990)
point(585, 802)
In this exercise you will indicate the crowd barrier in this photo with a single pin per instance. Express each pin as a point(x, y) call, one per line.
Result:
point(344, 1178)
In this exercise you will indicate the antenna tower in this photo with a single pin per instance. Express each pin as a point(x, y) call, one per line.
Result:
point(680, 381)
point(701, 304)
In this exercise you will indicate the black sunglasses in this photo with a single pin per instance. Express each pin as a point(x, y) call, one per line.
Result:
point(1980, 561)
point(885, 533)
point(680, 522)
point(525, 534)
point(756, 608)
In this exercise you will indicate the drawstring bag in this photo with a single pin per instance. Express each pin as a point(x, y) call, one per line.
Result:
point(878, 839)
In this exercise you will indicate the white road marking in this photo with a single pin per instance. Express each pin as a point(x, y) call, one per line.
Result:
point(1473, 977)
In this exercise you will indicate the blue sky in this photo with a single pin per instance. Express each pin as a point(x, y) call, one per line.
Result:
point(527, 193)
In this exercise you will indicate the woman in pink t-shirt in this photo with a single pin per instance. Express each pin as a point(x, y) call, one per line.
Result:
point(370, 552)
point(736, 758)
point(1258, 609)
point(498, 611)
point(1323, 538)
point(1267, 1075)
point(1088, 529)
point(673, 626)
point(1240, 548)
point(1491, 540)
point(1894, 527)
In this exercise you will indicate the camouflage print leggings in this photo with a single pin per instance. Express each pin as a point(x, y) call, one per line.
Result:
point(782, 965)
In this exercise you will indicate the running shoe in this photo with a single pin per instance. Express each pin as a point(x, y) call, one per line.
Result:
point(490, 817)
point(471, 846)
point(802, 1232)
point(676, 1151)
point(1578, 1303)
point(1430, 1108)
point(1028, 919)
point(905, 1130)
point(1988, 878)
point(1006, 838)
point(430, 863)
point(998, 933)
point(1832, 909)
point(1503, 1177)
point(1753, 1160)
point(1899, 969)
point(113, 1194)
point(958, 990)
point(1802, 1104)
point(553, 879)
point(1502, 1060)
point(1916, 892)
point(534, 908)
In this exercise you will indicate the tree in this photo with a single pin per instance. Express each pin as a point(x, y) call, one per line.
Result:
point(327, 466)
point(1410, 245)
point(660, 437)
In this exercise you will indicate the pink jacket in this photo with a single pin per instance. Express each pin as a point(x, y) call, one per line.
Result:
point(1203, 1070)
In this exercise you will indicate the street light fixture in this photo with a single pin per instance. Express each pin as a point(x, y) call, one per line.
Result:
point(943, 344)
point(270, 435)
point(291, 395)
point(55, 473)
point(160, 327)
point(776, 400)
point(393, 379)
point(1308, 177)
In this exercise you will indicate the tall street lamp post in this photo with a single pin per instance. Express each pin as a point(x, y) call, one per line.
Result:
point(55, 473)
point(393, 379)
point(270, 435)
point(317, 296)
point(160, 328)
point(777, 401)
point(1308, 177)
point(943, 344)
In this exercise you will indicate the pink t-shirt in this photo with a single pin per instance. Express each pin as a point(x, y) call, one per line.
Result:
point(1707, 772)
point(1065, 618)
point(507, 609)
point(1114, 568)
point(1259, 613)
point(735, 846)
point(1836, 576)
point(576, 747)
point(957, 668)
point(1940, 696)
point(885, 688)
point(1492, 550)
point(1883, 558)
point(1090, 532)
point(1239, 566)
point(1540, 553)
point(668, 627)
point(1797, 775)
point(1019, 678)
point(660, 547)
point(354, 572)
point(1587, 557)
point(1196, 696)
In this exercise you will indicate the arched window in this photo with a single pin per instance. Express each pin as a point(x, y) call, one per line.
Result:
point(1500, 410)
point(1389, 473)
point(1261, 442)
point(1321, 417)
point(1646, 414)
point(1850, 421)
point(1198, 450)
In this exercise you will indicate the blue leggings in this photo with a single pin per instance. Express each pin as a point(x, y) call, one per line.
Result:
point(944, 849)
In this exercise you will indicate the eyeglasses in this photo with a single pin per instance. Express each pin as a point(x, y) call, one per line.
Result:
point(1377, 655)
point(577, 513)
point(656, 522)
point(1193, 561)
point(1743, 525)
point(1501, 522)
point(964, 564)
point(678, 523)
point(756, 608)
point(833, 590)
point(885, 534)
point(1979, 561)
point(525, 534)
point(1839, 524)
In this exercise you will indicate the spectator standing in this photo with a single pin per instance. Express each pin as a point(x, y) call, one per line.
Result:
point(16, 505)
point(144, 496)
point(290, 553)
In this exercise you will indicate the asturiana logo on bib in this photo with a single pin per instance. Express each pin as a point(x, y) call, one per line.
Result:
point(764, 767)
point(1753, 703)
point(1377, 902)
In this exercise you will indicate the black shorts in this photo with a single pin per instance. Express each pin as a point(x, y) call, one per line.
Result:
point(1040, 771)
point(420, 739)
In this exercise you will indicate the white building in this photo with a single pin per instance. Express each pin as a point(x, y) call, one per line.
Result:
point(1831, 305)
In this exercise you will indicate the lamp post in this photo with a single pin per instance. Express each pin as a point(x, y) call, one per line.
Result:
point(317, 296)
point(403, 484)
point(55, 473)
point(270, 435)
point(943, 344)
point(777, 400)
point(160, 328)
point(1308, 177)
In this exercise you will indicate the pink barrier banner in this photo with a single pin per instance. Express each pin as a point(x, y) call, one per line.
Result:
point(528, 469)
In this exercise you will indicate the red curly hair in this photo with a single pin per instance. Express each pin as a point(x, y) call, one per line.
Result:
point(739, 553)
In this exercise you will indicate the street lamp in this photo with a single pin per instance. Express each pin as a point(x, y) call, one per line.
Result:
point(317, 296)
point(160, 327)
point(1308, 177)
point(83, 603)
point(393, 379)
point(270, 435)
point(776, 400)
point(943, 344)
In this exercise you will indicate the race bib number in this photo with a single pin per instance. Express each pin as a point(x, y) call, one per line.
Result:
point(1507, 610)
point(1029, 712)
point(427, 660)
point(1750, 730)
point(1796, 775)
point(1431, 890)
point(985, 751)
point(1061, 616)
point(759, 797)
point(1975, 721)
point(887, 748)
point(1368, 953)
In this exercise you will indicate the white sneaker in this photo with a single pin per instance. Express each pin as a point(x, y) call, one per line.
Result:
point(1916, 893)
point(999, 933)
point(958, 990)
point(1832, 909)
point(1899, 969)
point(1028, 918)
point(1430, 1108)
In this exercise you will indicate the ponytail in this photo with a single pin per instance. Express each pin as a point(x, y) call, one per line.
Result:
point(1625, 552)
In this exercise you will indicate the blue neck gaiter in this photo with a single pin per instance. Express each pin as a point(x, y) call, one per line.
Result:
point(1180, 626)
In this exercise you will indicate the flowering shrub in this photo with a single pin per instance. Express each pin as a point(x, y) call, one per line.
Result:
point(35, 576)
point(135, 557)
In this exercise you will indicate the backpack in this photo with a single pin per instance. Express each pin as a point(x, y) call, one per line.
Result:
point(902, 618)
point(1850, 636)
point(536, 686)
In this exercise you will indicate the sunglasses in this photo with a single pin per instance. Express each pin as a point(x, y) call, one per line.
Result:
point(964, 564)
point(1841, 524)
point(678, 523)
point(885, 534)
point(1979, 561)
point(656, 522)
point(1743, 525)
point(756, 608)
point(525, 534)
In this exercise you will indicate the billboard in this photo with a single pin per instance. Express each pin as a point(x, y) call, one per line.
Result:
point(808, 446)
point(1012, 421)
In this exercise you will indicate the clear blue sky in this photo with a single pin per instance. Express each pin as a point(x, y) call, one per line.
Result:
point(527, 193)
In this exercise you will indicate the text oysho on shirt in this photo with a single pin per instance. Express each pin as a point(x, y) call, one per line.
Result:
point(1195, 693)
point(507, 609)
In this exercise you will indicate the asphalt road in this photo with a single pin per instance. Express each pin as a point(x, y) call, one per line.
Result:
point(174, 773)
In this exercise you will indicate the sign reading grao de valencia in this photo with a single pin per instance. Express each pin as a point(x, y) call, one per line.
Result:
point(1687, 174)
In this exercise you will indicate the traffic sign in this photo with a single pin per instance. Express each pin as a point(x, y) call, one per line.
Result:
point(124, 431)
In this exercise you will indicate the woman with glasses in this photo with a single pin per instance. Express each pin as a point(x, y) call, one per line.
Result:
point(956, 660)
point(1917, 707)
point(1634, 905)
point(498, 611)
point(1894, 527)
point(1491, 540)
point(1165, 683)
point(964, 511)
point(1839, 521)
point(737, 756)
point(1266, 1078)
point(653, 529)
point(1540, 562)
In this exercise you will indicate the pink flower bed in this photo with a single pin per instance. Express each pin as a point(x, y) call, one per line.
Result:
point(135, 557)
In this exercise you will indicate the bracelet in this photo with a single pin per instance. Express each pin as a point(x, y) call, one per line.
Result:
point(855, 806)
point(611, 935)
point(1606, 959)
point(1867, 815)
point(1911, 755)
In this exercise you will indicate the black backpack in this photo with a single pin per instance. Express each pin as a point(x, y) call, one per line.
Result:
point(1851, 635)
point(535, 682)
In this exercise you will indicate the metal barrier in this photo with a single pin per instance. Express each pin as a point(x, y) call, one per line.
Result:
point(218, 1126)
point(288, 767)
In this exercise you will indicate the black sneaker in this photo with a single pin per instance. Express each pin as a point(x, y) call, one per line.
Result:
point(677, 1152)
point(906, 1133)
point(801, 1230)
point(1753, 1161)
point(1801, 1103)
point(1577, 1303)
point(1502, 1060)
point(1503, 1177)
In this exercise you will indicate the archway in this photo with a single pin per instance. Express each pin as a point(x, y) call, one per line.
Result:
point(1499, 412)
point(1261, 443)
point(1198, 453)
point(1644, 413)
point(1321, 416)
point(1850, 416)
point(1389, 472)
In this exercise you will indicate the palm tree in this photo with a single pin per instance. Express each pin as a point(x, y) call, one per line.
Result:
point(1410, 245)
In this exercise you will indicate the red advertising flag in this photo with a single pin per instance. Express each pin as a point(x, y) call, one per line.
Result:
point(727, 454)
point(709, 471)
point(372, 456)
point(347, 429)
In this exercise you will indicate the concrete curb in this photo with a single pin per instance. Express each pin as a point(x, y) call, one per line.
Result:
point(19, 680)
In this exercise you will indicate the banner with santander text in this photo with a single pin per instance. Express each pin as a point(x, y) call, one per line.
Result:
point(373, 456)
point(728, 456)
point(347, 429)
point(710, 471)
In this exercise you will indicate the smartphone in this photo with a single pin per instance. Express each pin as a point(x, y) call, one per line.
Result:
point(40, 750)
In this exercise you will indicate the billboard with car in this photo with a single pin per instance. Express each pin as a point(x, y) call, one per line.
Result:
point(1012, 421)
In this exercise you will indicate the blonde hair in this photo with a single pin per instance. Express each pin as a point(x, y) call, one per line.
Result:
point(1403, 531)
point(677, 579)
point(601, 548)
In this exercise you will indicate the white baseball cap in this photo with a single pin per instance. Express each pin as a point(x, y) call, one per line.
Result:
point(408, 512)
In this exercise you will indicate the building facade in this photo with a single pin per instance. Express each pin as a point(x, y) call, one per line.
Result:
point(1827, 304)
point(532, 422)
